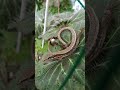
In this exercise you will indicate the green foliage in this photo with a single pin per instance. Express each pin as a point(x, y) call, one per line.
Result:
point(39, 4)
point(50, 76)
point(65, 5)
point(9, 21)
point(38, 46)
point(15, 84)
point(77, 62)
point(8, 49)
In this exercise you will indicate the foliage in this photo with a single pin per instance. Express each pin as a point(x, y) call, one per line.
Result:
point(104, 74)
point(10, 24)
point(50, 76)
point(65, 5)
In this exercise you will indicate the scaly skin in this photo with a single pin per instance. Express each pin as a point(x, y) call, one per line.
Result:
point(104, 25)
point(65, 52)
point(92, 33)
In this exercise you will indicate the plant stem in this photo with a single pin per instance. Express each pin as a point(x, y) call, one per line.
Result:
point(77, 62)
point(22, 15)
point(45, 21)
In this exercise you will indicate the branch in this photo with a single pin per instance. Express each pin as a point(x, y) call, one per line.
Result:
point(22, 15)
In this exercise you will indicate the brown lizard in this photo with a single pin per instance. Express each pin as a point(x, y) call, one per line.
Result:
point(100, 35)
point(104, 25)
point(68, 50)
point(93, 31)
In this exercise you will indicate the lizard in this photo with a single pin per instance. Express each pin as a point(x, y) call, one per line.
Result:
point(93, 31)
point(59, 55)
point(101, 34)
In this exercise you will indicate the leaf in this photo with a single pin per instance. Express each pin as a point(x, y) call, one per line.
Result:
point(26, 25)
point(50, 76)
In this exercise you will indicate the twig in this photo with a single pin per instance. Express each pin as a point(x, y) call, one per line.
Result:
point(45, 21)
point(81, 4)
point(22, 15)
point(58, 6)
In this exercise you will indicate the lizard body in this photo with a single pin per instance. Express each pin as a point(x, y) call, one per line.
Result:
point(99, 35)
point(104, 25)
point(68, 50)
point(93, 31)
